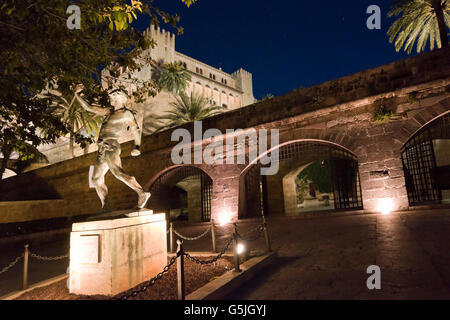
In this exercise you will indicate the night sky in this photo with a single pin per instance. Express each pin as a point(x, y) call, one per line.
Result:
point(285, 44)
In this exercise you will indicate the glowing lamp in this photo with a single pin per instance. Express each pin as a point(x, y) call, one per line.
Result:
point(240, 248)
point(224, 218)
point(385, 206)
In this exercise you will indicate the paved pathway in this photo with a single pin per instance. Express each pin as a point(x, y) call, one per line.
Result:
point(327, 258)
point(319, 258)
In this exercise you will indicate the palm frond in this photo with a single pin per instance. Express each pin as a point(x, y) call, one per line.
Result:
point(188, 108)
point(418, 24)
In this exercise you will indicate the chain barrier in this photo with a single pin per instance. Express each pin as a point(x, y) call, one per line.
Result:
point(12, 264)
point(260, 230)
point(38, 257)
point(192, 238)
point(150, 282)
point(212, 260)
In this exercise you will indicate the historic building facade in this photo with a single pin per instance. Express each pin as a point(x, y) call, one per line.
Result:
point(232, 91)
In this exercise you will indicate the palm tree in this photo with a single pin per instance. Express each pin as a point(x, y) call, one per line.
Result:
point(420, 20)
point(81, 122)
point(267, 97)
point(174, 77)
point(189, 108)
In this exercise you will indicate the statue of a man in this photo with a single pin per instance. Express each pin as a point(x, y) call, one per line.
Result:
point(116, 123)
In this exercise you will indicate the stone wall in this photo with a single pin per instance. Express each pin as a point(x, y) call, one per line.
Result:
point(18, 211)
point(338, 112)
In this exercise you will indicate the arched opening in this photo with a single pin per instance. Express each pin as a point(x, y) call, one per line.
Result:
point(198, 89)
point(184, 193)
point(426, 163)
point(312, 176)
point(224, 98)
point(216, 96)
point(208, 91)
point(231, 101)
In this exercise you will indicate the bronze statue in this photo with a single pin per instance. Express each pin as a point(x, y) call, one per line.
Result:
point(115, 124)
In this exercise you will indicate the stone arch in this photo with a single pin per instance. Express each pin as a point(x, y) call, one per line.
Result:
point(198, 89)
point(224, 98)
point(183, 192)
point(216, 96)
point(287, 142)
point(426, 162)
point(421, 118)
point(208, 91)
point(262, 194)
point(231, 101)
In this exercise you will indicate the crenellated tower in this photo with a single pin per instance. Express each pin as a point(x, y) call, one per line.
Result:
point(165, 43)
point(245, 84)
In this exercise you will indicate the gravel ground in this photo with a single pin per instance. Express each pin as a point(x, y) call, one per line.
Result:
point(196, 276)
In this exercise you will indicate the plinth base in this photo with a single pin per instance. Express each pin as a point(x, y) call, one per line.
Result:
point(108, 257)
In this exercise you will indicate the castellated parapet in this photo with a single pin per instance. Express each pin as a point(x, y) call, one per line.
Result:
point(245, 83)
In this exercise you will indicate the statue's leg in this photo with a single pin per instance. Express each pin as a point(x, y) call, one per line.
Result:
point(98, 179)
point(115, 165)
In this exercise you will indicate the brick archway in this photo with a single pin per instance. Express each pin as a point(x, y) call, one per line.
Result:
point(182, 192)
point(421, 118)
point(426, 164)
point(255, 190)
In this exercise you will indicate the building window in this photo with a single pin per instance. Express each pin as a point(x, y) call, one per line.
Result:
point(224, 81)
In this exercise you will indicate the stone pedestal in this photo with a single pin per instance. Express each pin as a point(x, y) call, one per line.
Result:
point(111, 256)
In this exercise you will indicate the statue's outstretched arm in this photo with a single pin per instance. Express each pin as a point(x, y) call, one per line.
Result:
point(97, 111)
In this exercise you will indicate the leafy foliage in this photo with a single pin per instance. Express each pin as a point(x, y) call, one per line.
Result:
point(302, 187)
point(40, 53)
point(319, 175)
point(187, 108)
point(83, 126)
point(267, 97)
point(421, 21)
point(174, 77)
point(382, 114)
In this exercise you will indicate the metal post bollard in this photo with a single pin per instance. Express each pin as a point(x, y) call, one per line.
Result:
point(180, 270)
point(171, 237)
point(25, 268)
point(266, 234)
point(235, 249)
point(213, 236)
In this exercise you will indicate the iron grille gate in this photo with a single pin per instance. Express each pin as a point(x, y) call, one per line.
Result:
point(160, 189)
point(419, 163)
point(254, 193)
point(345, 176)
point(346, 182)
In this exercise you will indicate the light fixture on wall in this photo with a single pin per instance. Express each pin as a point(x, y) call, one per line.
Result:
point(224, 218)
point(240, 248)
point(324, 163)
point(385, 205)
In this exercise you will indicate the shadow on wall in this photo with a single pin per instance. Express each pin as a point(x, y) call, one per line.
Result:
point(27, 186)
